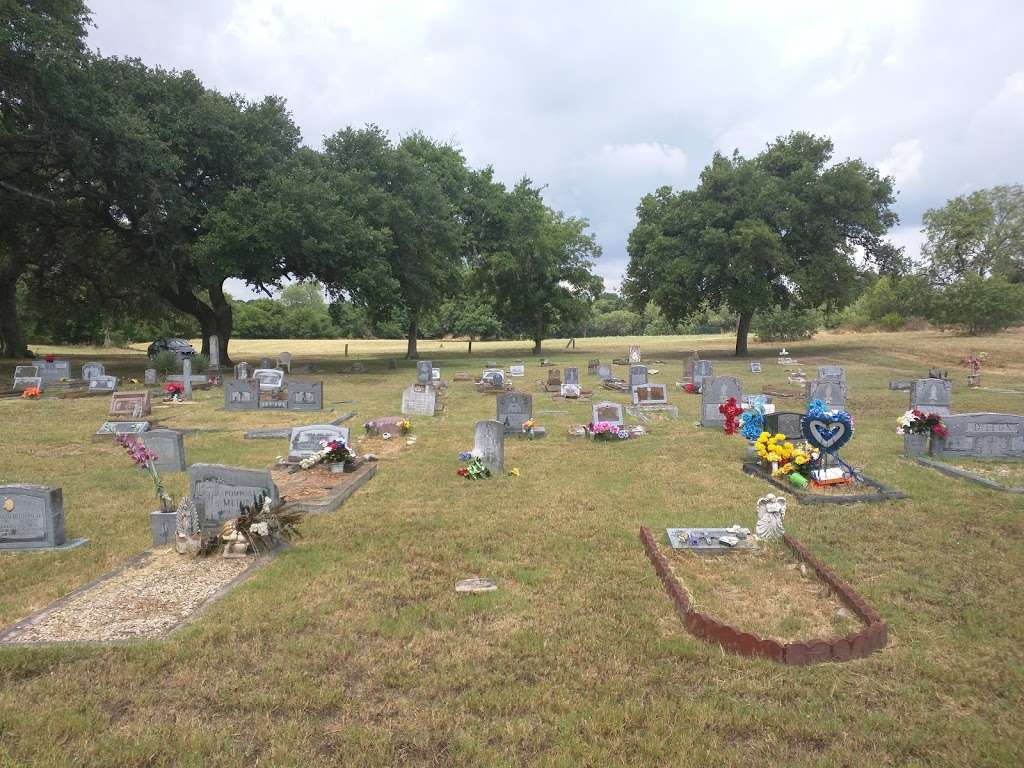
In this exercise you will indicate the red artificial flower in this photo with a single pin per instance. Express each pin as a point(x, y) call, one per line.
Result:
point(463, 472)
point(690, 388)
point(174, 387)
point(730, 410)
point(49, 358)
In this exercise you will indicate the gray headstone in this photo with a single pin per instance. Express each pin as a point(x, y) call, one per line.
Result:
point(554, 377)
point(834, 372)
point(305, 395)
point(634, 354)
point(266, 364)
point(169, 447)
point(269, 378)
point(214, 352)
point(242, 371)
point(149, 377)
point(218, 490)
point(607, 411)
point(637, 375)
point(932, 395)
point(982, 435)
point(714, 391)
point(489, 445)
point(517, 369)
point(650, 394)
point(21, 383)
point(53, 372)
point(572, 376)
point(424, 369)
point(495, 377)
point(702, 369)
point(103, 383)
point(31, 517)
point(92, 370)
point(305, 441)
point(901, 384)
point(241, 395)
point(755, 366)
point(592, 366)
point(512, 409)
point(26, 371)
point(130, 405)
point(186, 372)
point(604, 371)
point(830, 391)
point(784, 422)
point(419, 400)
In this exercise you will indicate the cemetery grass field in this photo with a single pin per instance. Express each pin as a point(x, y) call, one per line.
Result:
point(352, 648)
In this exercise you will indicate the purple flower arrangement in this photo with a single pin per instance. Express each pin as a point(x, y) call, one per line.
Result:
point(144, 458)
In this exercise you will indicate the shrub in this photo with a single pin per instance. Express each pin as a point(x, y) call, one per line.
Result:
point(778, 324)
point(890, 303)
point(200, 363)
point(165, 362)
point(980, 305)
point(618, 322)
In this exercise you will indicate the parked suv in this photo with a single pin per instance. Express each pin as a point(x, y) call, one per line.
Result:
point(180, 347)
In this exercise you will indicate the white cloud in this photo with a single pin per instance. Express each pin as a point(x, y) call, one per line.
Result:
point(650, 160)
point(903, 162)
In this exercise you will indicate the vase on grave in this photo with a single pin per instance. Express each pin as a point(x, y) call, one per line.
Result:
point(798, 480)
point(163, 526)
point(916, 444)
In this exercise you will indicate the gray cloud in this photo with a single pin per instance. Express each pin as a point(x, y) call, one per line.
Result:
point(605, 101)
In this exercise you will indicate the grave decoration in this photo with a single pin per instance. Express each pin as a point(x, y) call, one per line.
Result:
point(175, 392)
point(917, 428)
point(828, 430)
point(32, 393)
point(259, 527)
point(786, 459)
point(334, 453)
point(532, 430)
point(163, 522)
point(475, 470)
point(735, 538)
point(730, 410)
point(752, 420)
point(771, 511)
point(603, 430)
point(973, 362)
point(388, 426)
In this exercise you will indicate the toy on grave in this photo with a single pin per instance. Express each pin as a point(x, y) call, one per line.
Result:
point(828, 430)
point(771, 510)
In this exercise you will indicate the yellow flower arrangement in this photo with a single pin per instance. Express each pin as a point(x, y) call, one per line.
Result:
point(776, 450)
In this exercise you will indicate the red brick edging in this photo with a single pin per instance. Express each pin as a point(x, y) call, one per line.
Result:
point(856, 645)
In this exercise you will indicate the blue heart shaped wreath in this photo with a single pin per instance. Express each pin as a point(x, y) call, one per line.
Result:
point(826, 429)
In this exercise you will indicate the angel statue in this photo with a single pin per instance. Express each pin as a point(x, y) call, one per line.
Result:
point(771, 509)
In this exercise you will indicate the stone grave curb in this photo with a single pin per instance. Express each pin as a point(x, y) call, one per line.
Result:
point(964, 474)
point(856, 645)
point(332, 501)
point(885, 493)
point(257, 563)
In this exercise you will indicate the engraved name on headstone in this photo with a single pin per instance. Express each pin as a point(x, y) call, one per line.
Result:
point(103, 383)
point(218, 490)
point(982, 435)
point(31, 517)
point(132, 405)
point(419, 400)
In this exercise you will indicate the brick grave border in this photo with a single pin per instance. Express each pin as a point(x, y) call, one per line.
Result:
point(882, 492)
point(856, 645)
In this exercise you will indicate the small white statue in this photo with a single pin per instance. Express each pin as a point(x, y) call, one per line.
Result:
point(771, 510)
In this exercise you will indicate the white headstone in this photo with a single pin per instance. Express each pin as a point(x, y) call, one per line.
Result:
point(186, 371)
point(489, 445)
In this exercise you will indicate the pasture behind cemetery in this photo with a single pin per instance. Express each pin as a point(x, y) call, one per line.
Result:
point(351, 646)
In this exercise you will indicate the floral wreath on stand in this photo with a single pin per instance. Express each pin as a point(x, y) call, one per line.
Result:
point(730, 410)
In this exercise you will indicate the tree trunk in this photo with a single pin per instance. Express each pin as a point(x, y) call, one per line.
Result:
point(538, 335)
point(742, 331)
point(470, 351)
point(414, 327)
point(12, 336)
point(223, 323)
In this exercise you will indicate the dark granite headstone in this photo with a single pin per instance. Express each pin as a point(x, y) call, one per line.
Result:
point(982, 435)
point(512, 409)
point(32, 517)
point(169, 447)
point(218, 490)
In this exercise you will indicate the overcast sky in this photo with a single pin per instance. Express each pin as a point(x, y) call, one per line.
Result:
point(605, 101)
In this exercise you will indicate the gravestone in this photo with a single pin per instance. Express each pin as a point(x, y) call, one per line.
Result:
point(637, 375)
point(517, 369)
point(149, 377)
point(650, 394)
point(218, 490)
point(572, 376)
point(269, 378)
point(604, 371)
point(305, 395)
point(688, 367)
point(634, 354)
point(702, 369)
point(900, 385)
point(26, 372)
point(834, 372)
point(169, 447)
point(113, 428)
point(186, 373)
point(266, 364)
point(305, 441)
point(419, 400)
point(435, 376)
point(32, 517)
point(554, 377)
point(512, 409)
point(982, 435)
point(241, 395)
point(53, 372)
point(592, 366)
point(607, 411)
point(932, 396)
point(241, 371)
point(494, 377)
point(214, 353)
point(489, 445)
point(284, 360)
point(714, 391)
point(786, 423)
point(755, 367)
point(571, 391)
point(21, 383)
point(831, 392)
point(424, 368)
point(92, 370)
point(130, 405)
point(103, 384)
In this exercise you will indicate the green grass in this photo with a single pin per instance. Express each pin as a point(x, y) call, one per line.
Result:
point(351, 648)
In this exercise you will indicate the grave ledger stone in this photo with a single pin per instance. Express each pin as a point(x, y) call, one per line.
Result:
point(714, 391)
point(982, 435)
point(218, 491)
point(32, 517)
point(489, 445)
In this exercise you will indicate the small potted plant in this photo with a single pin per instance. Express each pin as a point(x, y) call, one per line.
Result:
point(917, 429)
point(164, 521)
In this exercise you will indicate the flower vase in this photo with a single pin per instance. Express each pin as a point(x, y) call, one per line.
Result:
point(164, 526)
point(915, 444)
point(337, 467)
point(798, 480)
